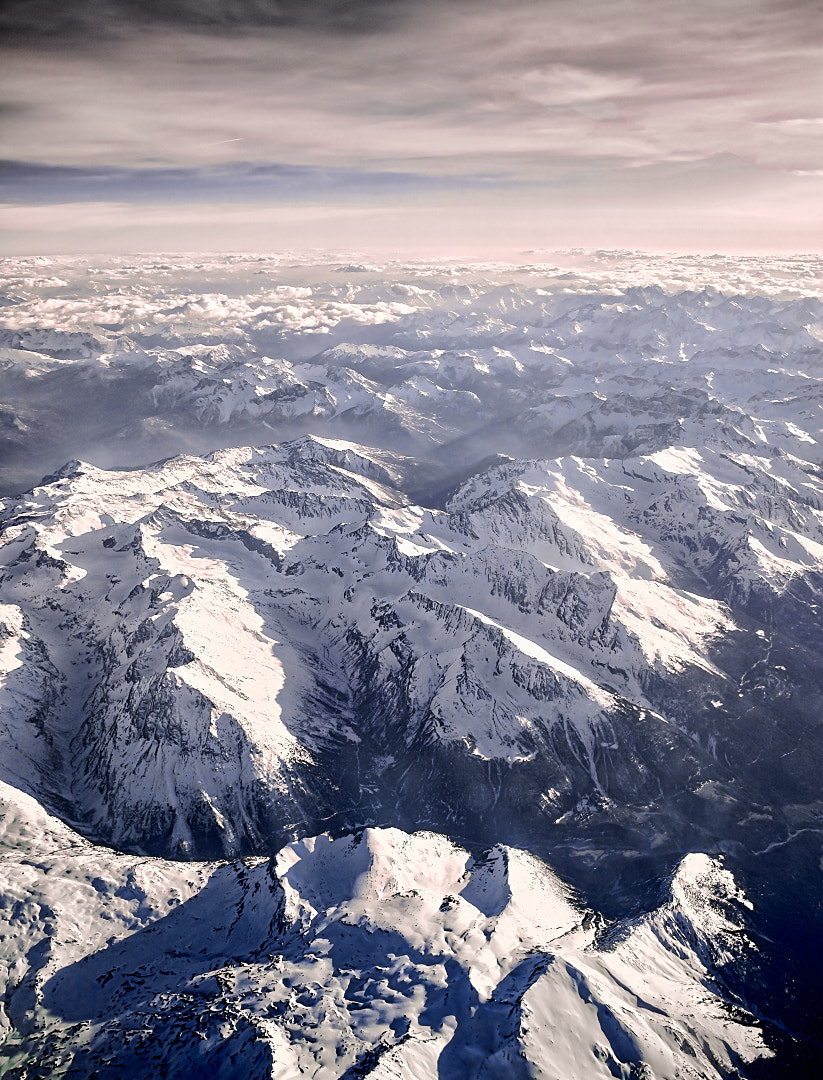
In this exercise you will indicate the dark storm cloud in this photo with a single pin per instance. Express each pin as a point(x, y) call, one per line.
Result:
point(79, 22)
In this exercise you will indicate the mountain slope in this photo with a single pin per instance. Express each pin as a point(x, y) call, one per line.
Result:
point(382, 954)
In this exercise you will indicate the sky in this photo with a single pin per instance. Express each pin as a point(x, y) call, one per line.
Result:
point(445, 127)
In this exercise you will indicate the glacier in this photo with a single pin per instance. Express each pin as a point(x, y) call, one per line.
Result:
point(411, 670)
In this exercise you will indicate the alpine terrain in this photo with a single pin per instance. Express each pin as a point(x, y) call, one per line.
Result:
point(411, 670)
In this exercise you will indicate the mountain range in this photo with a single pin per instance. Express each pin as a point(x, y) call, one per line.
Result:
point(411, 670)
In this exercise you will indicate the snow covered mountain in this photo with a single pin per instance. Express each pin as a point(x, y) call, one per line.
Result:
point(563, 631)
point(384, 954)
point(447, 364)
point(527, 559)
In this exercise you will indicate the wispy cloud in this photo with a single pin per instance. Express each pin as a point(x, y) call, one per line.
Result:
point(27, 183)
point(634, 80)
point(590, 93)
point(80, 21)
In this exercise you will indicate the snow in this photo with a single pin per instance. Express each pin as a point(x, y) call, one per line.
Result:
point(277, 554)
point(385, 942)
point(527, 554)
point(530, 648)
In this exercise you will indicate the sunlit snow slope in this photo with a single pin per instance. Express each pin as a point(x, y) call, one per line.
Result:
point(384, 954)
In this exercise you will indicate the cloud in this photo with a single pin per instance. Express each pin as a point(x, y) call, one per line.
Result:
point(723, 206)
point(438, 84)
point(32, 184)
point(67, 22)
point(560, 93)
